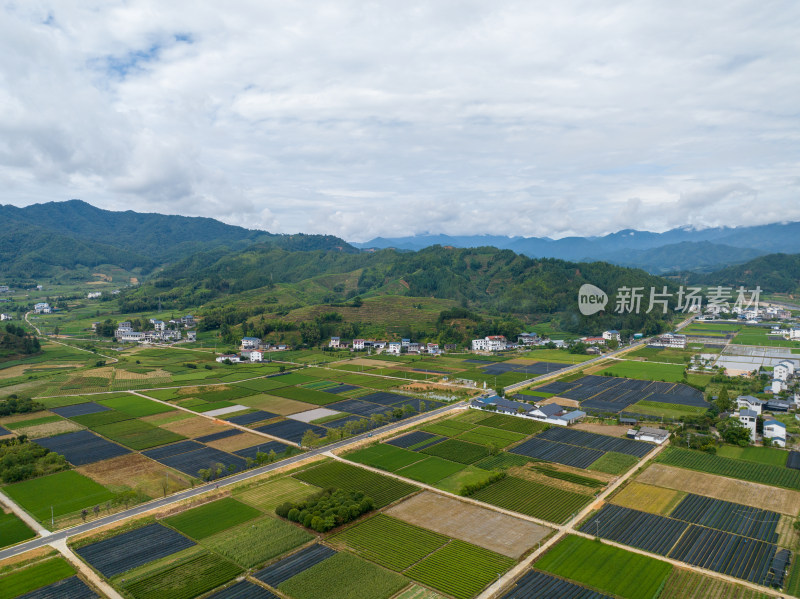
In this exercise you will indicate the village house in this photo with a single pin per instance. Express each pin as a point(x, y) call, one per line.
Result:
point(550, 413)
point(611, 335)
point(4, 289)
point(334, 343)
point(672, 340)
point(527, 339)
point(6, 317)
point(490, 343)
point(650, 434)
point(251, 343)
point(748, 418)
point(358, 344)
point(42, 308)
point(232, 357)
point(748, 402)
point(191, 336)
point(433, 348)
point(395, 347)
point(775, 431)
point(254, 355)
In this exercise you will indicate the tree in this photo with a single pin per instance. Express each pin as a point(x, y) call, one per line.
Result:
point(734, 432)
point(310, 439)
point(723, 401)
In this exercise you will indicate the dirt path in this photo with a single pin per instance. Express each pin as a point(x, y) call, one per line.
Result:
point(87, 572)
point(51, 340)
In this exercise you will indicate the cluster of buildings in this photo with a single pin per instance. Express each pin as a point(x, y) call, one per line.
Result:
point(404, 346)
point(162, 332)
point(5, 289)
point(749, 408)
point(252, 349)
point(671, 340)
point(550, 413)
point(6, 317)
point(782, 373)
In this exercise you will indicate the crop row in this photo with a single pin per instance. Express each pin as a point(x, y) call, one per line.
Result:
point(656, 534)
point(730, 517)
point(460, 569)
point(390, 542)
point(750, 471)
point(457, 451)
point(532, 499)
point(186, 580)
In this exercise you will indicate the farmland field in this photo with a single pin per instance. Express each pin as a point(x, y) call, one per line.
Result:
point(783, 501)
point(390, 542)
point(13, 530)
point(685, 584)
point(744, 470)
point(664, 410)
point(137, 434)
point(430, 470)
point(607, 568)
point(460, 569)
point(512, 423)
point(211, 518)
point(457, 451)
point(487, 528)
point(255, 542)
point(656, 500)
point(645, 370)
point(135, 406)
point(762, 455)
point(614, 463)
point(532, 499)
point(342, 574)
point(382, 489)
point(34, 576)
point(185, 580)
point(66, 492)
point(270, 494)
point(385, 457)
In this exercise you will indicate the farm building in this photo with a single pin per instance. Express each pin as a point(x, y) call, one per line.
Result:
point(653, 435)
point(550, 413)
point(669, 340)
point(232, 357)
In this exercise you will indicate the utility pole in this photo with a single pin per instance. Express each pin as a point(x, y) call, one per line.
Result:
point(52, 518)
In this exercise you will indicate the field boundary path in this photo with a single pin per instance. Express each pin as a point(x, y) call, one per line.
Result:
point(155, 504)
point(88, 573)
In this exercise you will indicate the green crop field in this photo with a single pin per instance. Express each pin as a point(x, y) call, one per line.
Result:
point(184, 580)
point(13, 530)
point(460, 569)
point(489, 436)
point(209, 519)
point(512, 423)
point(319, 398)
point(614, 463)
point(101, 418)
point(457, 451)
point(344, 576)
point(744, 470)
point(385, 457)
point(66, 492)
point(137, 434)
point(644, 370)
point(382, 489)
point(256, 542)
point(270, 494)
point(503, 460)
point(390, 542)
point(664, 410)
point(431, 470)
point(586, 481)
point(610, 569)
point(32, 422)
point(260, 385)
point(762, 455)
point(36, 576)
point(533, 499)
point(135, 406)
point(466, 476)
point(685, 584)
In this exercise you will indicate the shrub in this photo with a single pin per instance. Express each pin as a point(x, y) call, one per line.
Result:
point(472, 488)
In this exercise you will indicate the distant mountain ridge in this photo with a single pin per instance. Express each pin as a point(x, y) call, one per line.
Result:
point(682, 248)
point(44, 239)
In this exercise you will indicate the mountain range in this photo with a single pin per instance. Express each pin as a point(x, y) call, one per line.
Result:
point(680, 249)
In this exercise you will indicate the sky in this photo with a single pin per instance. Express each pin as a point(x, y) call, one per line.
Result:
point(366, 119)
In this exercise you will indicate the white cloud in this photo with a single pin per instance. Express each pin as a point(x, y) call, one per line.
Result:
point(383, 119)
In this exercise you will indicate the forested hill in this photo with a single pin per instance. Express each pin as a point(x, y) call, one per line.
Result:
point(485, 279)
point(36, 239)
point(777, 273)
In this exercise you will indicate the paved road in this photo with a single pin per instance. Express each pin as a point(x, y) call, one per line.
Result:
point(231, 480)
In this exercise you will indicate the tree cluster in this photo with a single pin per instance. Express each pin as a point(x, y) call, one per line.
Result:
point(16, 340)
point(20, 460)
point(14, 405)
point(327, 509)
